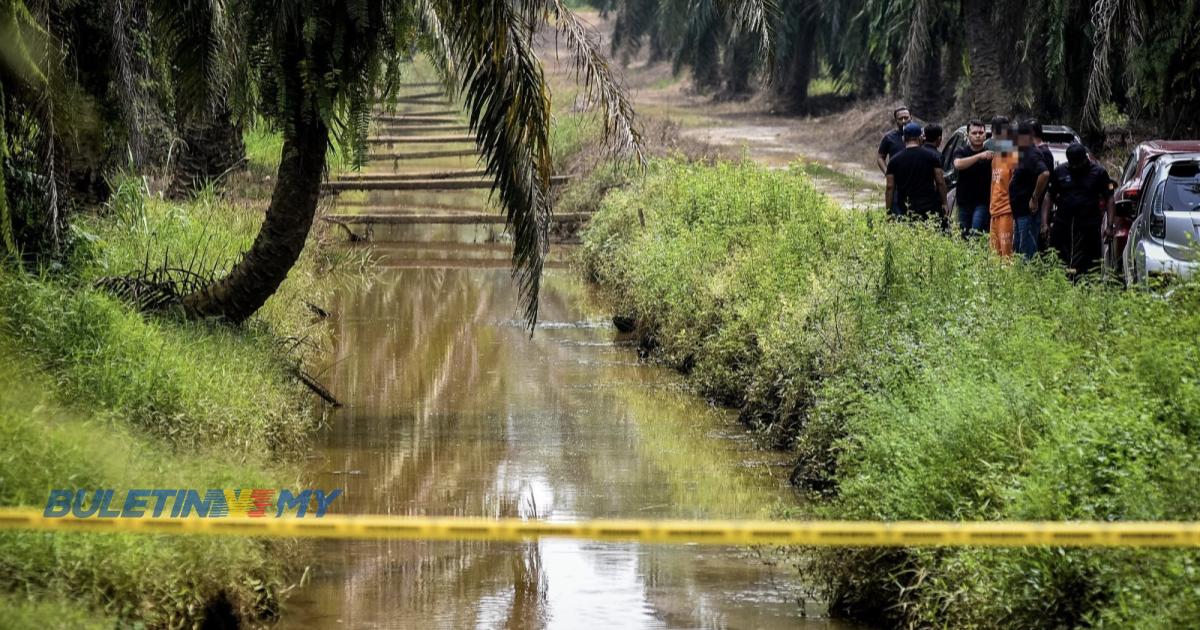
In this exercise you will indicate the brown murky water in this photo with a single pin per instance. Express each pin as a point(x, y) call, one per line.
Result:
point(454, 409)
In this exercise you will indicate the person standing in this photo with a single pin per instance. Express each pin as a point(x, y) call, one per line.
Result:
point(1081, 191)
point(915, 184)
point(974, 166)
point(998, 122)
point(1004, 161)
point(893, 141)
point(1025, 190)
point(892, 144)
point(1045, 203)
point(933, 139)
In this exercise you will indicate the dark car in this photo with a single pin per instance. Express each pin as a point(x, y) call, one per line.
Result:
point(1058, 137)
point(1130, 189)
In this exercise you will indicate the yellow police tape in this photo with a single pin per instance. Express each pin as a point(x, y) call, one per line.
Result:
point(821, 533)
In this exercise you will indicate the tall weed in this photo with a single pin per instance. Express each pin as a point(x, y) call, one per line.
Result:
point(919, 377)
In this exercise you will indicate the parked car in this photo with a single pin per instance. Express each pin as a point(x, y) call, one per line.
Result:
point(1164, 238)
point(1058, 137)
point(1130, 188)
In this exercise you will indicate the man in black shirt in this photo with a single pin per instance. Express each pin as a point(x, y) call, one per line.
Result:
point(933, 139)
point(974, 166)
point(893, 143)
point(1048, 158)
point(915, 186)
point(1081, 190)
point(1028, 184)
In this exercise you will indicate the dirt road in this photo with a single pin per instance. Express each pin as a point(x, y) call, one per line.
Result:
point(838, 148)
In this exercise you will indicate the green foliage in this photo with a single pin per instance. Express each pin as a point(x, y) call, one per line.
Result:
point(162, 581)
point(919, 377)
point(8, 243)
point(103, 353)
point(32, 614)
point(98, 395)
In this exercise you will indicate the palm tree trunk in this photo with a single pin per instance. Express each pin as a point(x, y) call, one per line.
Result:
point(872, 79)
point(213, 146)
point(283, 233)
point(924, 90)
point(987, 91)
point(706, 64)
point(799, 66)
point(739, 66)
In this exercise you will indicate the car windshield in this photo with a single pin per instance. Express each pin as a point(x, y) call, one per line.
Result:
point(1183, 187)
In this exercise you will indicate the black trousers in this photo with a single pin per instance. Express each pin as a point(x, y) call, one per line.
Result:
point(1078, 242)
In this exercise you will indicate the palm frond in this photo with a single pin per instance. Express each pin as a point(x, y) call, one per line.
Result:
point(620, 132)
point(755, 20)
point(508, 102)
point(438, 50)
point(197, 34)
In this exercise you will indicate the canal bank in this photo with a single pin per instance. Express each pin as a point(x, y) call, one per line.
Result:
point(453, 408)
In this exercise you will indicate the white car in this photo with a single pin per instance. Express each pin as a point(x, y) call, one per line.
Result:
point(1164, 239)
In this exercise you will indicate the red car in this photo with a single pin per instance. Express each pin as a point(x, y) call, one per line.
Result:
point(1130, 188)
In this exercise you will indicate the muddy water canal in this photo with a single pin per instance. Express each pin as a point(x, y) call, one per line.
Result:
point(454, 409)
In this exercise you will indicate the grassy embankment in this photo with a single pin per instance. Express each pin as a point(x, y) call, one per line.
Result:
point(918, 377)
point(100, 396)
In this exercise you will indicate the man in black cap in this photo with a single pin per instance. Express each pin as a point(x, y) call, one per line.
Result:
point(915, 185)
point(1081, 190)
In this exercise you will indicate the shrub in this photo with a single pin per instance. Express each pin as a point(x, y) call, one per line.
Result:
point(919, 377)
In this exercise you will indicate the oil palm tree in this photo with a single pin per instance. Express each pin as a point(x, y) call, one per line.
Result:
point(319, 65)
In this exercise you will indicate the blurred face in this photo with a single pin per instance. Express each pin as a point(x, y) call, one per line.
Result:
point(1024, 140)
point(902, 118)
point(976, 135)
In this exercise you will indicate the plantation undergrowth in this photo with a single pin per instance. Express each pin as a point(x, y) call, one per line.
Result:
point(101, 396)
point(918, 377)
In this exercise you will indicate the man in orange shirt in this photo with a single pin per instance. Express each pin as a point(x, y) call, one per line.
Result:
point(1000, 208)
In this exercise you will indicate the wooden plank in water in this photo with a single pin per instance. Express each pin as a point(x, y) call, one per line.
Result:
point(418, 84)
point(452, 174)
point(422, 184)
point(420, 155)
point(420, 139)
point(436, 94)
point(403, 129)
point(407, 100)
point(409, 116)
point(439, 219)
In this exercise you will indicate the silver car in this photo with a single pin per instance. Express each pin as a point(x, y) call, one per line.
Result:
point(1165, 237)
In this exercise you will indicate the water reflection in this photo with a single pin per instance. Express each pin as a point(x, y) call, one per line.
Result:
point(454, 409)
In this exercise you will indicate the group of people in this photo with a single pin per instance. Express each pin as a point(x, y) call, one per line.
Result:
point(1007, 187)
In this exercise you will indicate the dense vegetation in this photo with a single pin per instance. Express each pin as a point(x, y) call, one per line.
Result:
point(1059, 59)
point(85, 86)
point(101, 396)
point(918, 377)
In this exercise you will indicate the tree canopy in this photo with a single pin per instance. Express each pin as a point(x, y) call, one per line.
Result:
point(1061, 59)
point(312, 68)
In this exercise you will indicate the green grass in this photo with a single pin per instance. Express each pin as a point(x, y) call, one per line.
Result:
point(29, 613)
point(919, 377)
point(570, 135)
point(98, 395)
point(161, 581)
point(814, 168)
point(826, 85)
point(264, 149)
